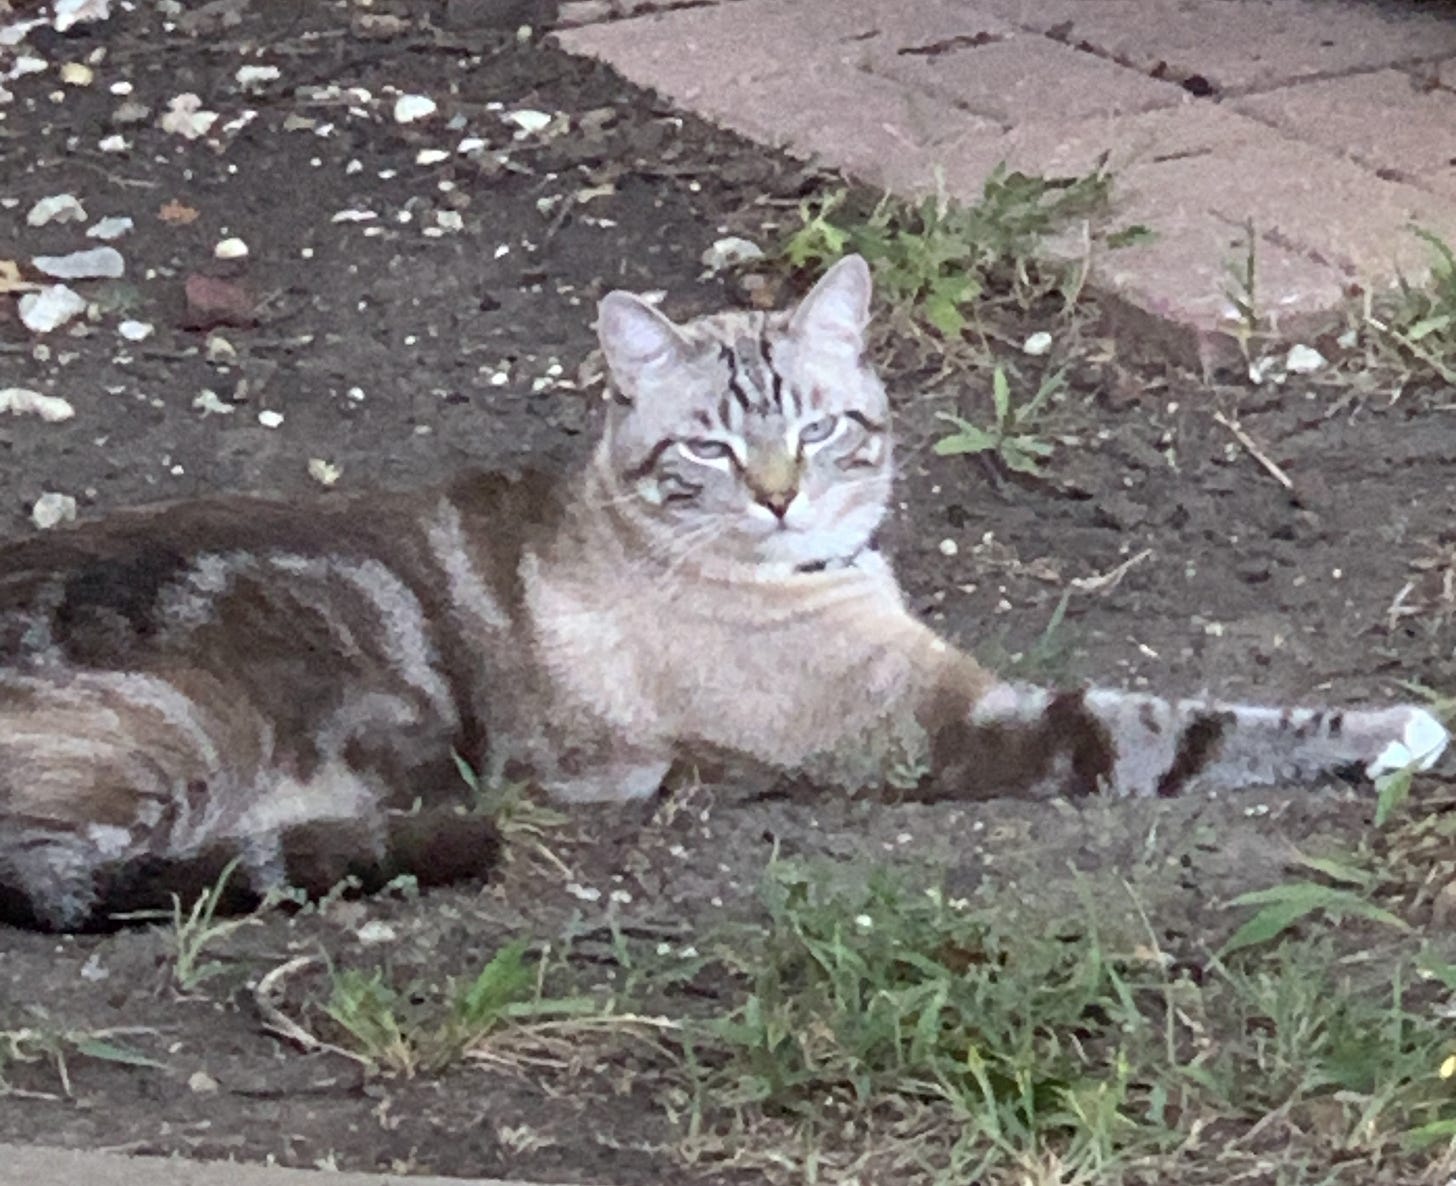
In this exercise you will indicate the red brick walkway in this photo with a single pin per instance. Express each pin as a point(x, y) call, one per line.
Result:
point(1331, 124)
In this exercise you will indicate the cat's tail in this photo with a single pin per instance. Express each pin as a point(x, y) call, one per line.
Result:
point(1030, 741)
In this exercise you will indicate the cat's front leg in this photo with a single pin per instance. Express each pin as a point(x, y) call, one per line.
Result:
point(603, 771)
point(1037, 742)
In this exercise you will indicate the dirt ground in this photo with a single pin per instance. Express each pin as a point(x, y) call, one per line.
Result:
point(398, 354)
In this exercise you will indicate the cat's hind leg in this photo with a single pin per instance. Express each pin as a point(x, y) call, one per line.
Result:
point(109, 771)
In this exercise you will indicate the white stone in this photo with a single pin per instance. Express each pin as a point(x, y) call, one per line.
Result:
point(116, 142)
point(66, 13)
point(268, 418)
point(1303, 360)
point(231, 249)
point(23, 401)
point(729, 252)
point(375, 932)
point(325, 473)
point(208, 403)
point(56, 208)
point(431, 156)
point(186, 117)
point(109, 228)
point(52, 509)
point(252, 77)
point(77, 74)
point(135, 331)
point(1037, 344)
point(95, 263)
point(50, 308)
point(410, 108)
point(529, 120)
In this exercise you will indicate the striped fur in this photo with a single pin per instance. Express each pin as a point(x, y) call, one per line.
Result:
point(286, 686)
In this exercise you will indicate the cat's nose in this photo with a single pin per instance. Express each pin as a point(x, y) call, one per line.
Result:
point(778, 501)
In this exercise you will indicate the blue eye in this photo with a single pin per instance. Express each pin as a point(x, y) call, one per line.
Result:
point(706, 450)
point(817, 430)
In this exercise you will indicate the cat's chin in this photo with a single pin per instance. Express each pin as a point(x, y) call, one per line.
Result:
point(798, 548)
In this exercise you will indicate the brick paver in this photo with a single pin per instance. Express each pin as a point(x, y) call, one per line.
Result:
point(1391, 121)
point(1330, 124)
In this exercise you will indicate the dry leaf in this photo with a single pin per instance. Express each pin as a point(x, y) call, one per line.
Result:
point(176, 213)
point(10, 280)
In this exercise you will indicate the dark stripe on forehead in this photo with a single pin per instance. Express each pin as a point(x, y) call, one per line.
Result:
point(646, 466)
point(865, 422)
point(775, 379)
point(735, 380)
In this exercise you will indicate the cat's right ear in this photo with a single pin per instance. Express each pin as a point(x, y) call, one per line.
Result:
point(636, 339)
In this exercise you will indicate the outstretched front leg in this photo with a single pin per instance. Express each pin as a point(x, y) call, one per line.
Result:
point(1030, 741)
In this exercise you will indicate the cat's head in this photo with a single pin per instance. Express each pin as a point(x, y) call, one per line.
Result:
point(750, 437)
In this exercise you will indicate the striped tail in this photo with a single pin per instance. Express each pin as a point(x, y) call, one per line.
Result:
point(1033, 742)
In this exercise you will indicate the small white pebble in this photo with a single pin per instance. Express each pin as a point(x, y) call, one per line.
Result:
point(231, 249)
point(110, 228)
point(376, 931)
point(431, 156)
point(409, 108)
point(1037, 344)
point(52, 509)
point(252, 77)
point(135, 331)
point(948, 547)
point(325, 473)
point(268, 418)
point(208, 403)
point(528, 120)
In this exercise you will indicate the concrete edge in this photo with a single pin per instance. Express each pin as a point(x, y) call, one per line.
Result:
point(26, 1165)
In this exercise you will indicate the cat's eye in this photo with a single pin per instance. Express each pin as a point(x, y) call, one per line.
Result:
point(817, 430)
point(708, 450)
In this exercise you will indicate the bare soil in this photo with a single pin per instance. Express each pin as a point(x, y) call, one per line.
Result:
point(399, 356)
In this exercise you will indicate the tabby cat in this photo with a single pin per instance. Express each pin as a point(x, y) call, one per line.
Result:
point(288, 686)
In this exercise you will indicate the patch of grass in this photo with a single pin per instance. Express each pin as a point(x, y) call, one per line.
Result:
point(1012, 437)
point(1242, 292)
point(59, 1046)
point(881, 1032)
point(1421, 322)
point(196, 929)
point(415, 1029)
point(520, 818)
point(876, 1000)
point(935, 259)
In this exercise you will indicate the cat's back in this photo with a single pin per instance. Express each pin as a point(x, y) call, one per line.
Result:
point(96, 593)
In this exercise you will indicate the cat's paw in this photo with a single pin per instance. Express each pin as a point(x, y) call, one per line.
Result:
point(1422, 741)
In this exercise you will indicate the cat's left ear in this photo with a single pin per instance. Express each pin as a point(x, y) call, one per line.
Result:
point(838, 307)
point(636, 339)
